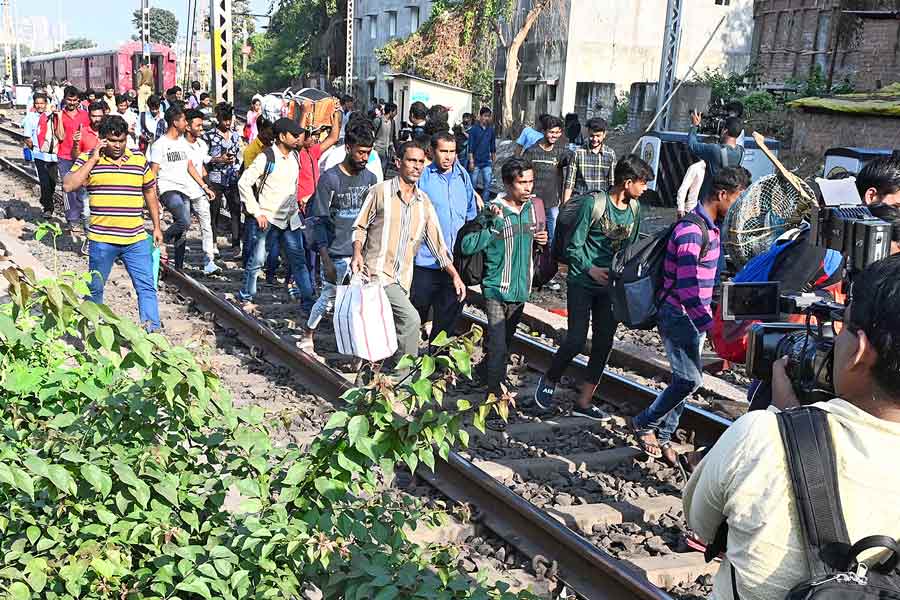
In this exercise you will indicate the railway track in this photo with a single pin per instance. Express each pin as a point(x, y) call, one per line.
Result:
point(565, 492)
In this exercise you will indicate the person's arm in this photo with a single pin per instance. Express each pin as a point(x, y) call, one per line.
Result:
point(320, 211)
point(60, 131)
point(688, 242)
point(335, 133)
point(611, 170)
point(434, 239)
point(575, 250)
point(28, 127)
point(571, 173)
point(682, 193)
point(198, 177)
point(361, 225)
point(492, 222)
point(246, 182)
point(701, 150)
point(473, 142)
point(472, 205)
point(151, 200)
point(493, 145)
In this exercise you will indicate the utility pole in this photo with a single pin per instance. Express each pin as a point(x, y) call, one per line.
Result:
point(18, 46)
point(222, 88)
point(145, 32)
point(348, 70)
point(669, 63)
point(7, 36)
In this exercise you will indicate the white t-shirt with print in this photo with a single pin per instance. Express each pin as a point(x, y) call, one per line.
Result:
point(172, 156)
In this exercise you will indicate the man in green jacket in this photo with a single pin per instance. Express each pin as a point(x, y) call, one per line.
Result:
point(507, 239)
point(606, 223)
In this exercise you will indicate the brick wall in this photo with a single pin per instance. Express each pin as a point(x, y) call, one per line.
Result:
point(816, 132)
point(792, 36)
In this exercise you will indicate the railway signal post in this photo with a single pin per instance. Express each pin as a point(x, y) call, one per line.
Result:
point(222, 64)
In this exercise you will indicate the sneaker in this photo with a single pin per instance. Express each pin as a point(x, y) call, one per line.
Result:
point(591, 412)
point(211, 268)
point(553, 285)
point(294, 293)
point(543, 393)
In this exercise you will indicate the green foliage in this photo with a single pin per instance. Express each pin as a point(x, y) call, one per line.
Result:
point(78, 43)
point(126, 472)
point(620, 113)
point(163, 26)
point(758, 102)
point(814, 85)
point(726, 86)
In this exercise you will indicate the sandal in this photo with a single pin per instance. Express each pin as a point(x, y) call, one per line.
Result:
point(669, 455)
point(646, 440)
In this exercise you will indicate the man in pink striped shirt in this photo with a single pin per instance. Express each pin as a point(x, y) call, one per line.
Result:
point(691, 272)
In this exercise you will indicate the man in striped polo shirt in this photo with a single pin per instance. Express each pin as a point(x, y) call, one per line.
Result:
point(119, 183)
point(691, 271)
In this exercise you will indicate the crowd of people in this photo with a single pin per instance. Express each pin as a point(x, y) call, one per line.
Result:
point(402, 204)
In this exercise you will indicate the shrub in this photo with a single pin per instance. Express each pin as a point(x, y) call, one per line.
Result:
point(758, 102)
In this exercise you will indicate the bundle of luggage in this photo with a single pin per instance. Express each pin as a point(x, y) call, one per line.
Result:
point(309, 107)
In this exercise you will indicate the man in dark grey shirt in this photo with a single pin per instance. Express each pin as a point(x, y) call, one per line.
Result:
point(339, 196)
point(549, 158)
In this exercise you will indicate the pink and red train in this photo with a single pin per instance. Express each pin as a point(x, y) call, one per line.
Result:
point(93, 68)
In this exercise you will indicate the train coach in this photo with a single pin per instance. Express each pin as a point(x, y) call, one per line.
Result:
point(93, 68)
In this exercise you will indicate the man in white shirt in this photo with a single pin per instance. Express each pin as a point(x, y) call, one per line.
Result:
point(336, 155)
point(176, 178)
point(199, 155)
point(689, 191)
point(123, 108)
point(744, 480)
point(269, 195)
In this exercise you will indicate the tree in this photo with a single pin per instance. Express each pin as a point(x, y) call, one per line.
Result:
point(163, 26)
point(78, 44)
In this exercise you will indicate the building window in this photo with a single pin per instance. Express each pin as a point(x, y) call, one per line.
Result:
point(371, 92)
point(392, 23)
point(532, 92)
point(358, 30)
point(390, 91)
point(413, 19)
point(551, 92)
point(373, 27)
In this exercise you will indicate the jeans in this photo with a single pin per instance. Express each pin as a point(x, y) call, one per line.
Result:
point(200, 206)
point(76, 204)
point(406, 320)
point(683, 347)
point(293, 243)
point(325, 303)
point(180, 206)
point(137, 261)
point(47, 175)
point(233, 202)
point(503, 318)
point(482, 178)
point(273, 255)
point(552, 214)
point(586, 306)
point(433, 289)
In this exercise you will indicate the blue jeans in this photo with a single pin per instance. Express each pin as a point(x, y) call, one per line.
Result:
point(273, 256)
point(683, 347)
point(76, 205)
point(137, 261)
point(293, 244)
point(482, 178)
point(180, 206)
point(552, 214)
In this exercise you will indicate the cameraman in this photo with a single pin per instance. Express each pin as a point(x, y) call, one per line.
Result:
point(879, 181)
point(744, 479)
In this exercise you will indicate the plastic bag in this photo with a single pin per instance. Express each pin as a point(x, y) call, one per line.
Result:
point(363, 321)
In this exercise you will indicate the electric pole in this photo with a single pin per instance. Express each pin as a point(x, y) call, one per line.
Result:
point(348, 70)
point(7, 35)
point(669, 62)
point(15, 29)
point(145, 32)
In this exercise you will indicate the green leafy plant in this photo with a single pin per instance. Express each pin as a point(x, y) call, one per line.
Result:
point(126, 472)
point(55, 231)
point(758, 102)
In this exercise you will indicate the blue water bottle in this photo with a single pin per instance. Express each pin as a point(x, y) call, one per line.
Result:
point(27, 153)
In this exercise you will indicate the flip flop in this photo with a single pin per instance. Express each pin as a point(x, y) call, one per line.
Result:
point(646, 440)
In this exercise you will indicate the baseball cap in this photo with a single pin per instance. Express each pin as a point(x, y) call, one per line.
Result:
point(286, 125)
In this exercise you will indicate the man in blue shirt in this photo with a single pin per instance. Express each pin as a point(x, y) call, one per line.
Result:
point(726, 154)
point(450, 190)
point(482, 152)
point(531, 136)
point(39, 125)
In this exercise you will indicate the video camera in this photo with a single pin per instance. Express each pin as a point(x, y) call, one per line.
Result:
point(842, 223)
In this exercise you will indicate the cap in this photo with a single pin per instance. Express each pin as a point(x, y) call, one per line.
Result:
point(286, 125)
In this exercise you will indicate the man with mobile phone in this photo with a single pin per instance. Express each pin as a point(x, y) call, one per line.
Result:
point(119, 184)
point(38, 126)
point(224, 146)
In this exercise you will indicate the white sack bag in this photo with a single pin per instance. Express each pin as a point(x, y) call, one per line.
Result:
point(364, 321)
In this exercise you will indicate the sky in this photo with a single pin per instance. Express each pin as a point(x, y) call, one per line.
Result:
point(109, 21)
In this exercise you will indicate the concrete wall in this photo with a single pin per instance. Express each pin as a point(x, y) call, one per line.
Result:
point(815, 133)
point(365, 65)
point(618, 41)
point(642, 105)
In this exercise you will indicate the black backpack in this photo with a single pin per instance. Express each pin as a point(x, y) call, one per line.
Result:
point(567, 221)
point(470, 267)
point(637, 272)
point(832, 559)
